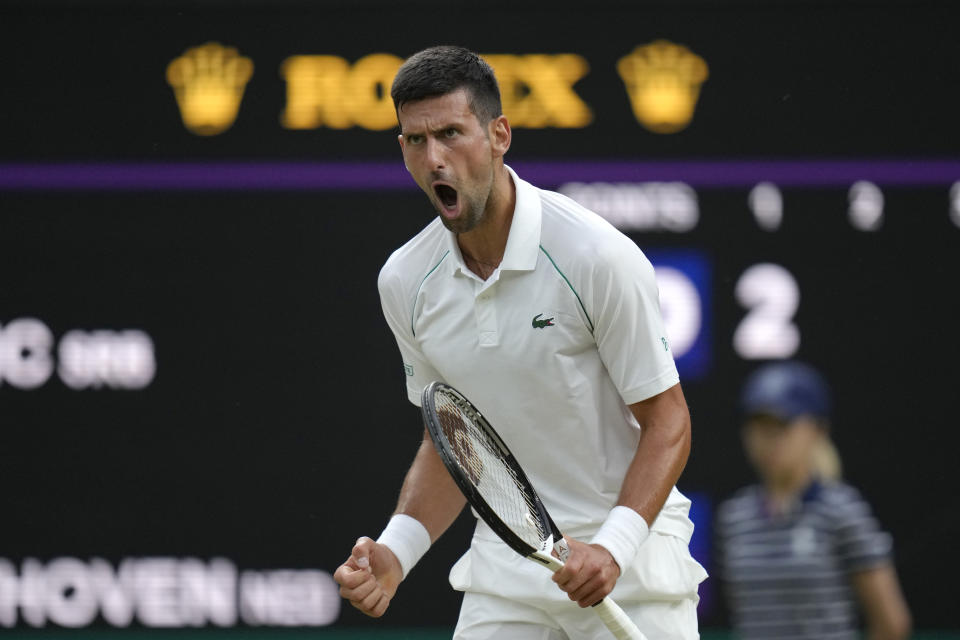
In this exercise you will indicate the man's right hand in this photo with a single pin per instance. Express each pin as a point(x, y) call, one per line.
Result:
point(369, 577)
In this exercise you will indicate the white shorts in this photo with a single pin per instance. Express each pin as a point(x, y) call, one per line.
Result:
point(509, 597)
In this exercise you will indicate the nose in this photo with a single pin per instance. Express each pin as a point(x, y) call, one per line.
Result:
point(435, 156)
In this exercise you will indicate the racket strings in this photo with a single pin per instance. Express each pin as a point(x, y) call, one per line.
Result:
point(485, 465)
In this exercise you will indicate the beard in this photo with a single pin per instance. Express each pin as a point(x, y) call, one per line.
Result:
point(473, 204)
point(472, 213)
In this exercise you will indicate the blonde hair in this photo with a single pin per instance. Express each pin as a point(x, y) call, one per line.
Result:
point(825, 460)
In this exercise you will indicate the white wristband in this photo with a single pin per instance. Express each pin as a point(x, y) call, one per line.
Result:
point(622, 533)
point(407, 538)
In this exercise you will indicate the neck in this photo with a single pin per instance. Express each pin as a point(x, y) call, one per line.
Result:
point(783, 491)
point(485, 245)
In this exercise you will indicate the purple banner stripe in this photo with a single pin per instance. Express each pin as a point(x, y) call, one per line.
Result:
point(390, 175)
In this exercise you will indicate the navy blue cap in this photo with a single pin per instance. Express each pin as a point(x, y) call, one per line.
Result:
point(786, 390)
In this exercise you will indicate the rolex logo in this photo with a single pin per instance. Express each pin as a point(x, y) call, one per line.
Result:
point(663, 80)
point(208, 82)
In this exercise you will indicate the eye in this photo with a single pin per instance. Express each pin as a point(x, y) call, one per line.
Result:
point(450, 132)
point(413, 138)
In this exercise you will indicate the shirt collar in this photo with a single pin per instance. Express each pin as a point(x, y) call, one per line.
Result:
point(523, 240)
point(809, 495)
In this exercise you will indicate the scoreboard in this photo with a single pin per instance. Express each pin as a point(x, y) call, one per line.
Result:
point(196, 199)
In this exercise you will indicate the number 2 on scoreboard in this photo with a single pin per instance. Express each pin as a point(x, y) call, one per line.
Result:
point(771, 296)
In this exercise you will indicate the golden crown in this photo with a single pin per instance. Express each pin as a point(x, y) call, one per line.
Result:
point(208, 82)
point(663, 80)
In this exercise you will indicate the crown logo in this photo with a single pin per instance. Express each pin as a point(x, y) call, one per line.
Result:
point(208, 82)
point(663, 80)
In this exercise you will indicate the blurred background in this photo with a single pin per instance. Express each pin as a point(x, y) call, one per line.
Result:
point(201, 406)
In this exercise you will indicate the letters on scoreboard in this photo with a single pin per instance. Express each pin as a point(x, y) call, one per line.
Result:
point(329, 91)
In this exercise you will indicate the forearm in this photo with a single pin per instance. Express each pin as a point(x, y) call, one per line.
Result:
point(659, 459)
point(885, 609)
point(661, 454)
point(429, 493)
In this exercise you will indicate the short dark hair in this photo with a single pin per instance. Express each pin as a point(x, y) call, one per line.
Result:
point(438, 71)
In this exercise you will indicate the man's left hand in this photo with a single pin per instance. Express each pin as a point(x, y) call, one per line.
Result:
point(589, 573)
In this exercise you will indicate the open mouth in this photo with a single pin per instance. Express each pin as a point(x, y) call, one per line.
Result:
point(447, 196)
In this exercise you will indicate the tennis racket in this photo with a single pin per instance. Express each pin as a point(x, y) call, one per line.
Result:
point(499, 491)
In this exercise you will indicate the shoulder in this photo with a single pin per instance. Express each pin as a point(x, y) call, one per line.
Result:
point(839, 493)
point(407, 266)
point(743, 504)
point(567, 222)
point(841, 501)
point(575, 235)
point(860, 540)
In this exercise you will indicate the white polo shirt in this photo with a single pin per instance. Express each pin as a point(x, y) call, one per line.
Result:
point(552, 347)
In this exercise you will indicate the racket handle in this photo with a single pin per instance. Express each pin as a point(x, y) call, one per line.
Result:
point(617, 621)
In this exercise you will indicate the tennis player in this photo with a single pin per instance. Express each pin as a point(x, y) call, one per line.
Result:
point(801, 554)
point(548, 319)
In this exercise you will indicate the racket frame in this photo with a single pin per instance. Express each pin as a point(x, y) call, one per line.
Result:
point(554, 540)
point(610, 613)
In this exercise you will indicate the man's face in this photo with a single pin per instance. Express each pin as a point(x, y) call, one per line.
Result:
point(449, 154)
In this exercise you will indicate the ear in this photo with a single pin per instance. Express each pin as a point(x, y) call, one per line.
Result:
point(500, 136)
point(402, 151)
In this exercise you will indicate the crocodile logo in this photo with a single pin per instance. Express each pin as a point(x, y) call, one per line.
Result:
point(540, 324)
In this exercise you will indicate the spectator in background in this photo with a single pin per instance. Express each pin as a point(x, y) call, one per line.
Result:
point(800, 554)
